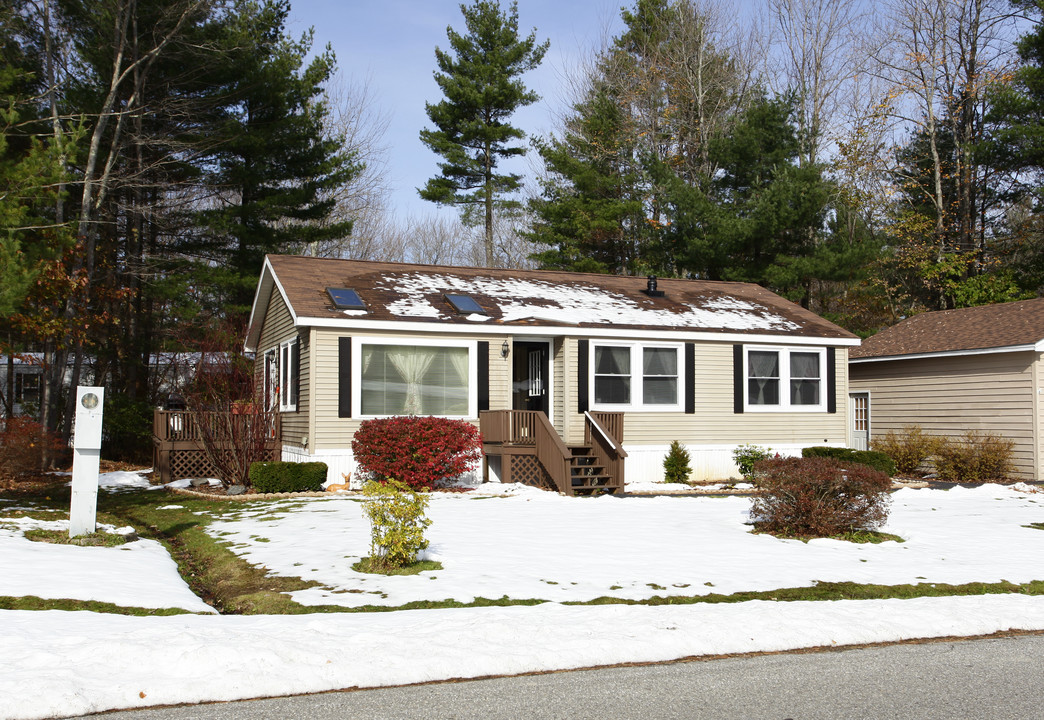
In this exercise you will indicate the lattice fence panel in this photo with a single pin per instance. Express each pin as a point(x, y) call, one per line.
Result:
point(527, 469)
point(194, 464)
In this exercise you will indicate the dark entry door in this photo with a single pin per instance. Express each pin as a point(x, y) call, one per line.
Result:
point(530, 381)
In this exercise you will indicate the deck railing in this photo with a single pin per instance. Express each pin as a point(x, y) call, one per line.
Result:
point(177, 448)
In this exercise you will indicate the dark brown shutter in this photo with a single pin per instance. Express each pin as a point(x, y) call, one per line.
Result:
point(690, 378)
point(737, 378)
point(581, 376)
point(831, 357)
point(483, 375)
point(344, 377)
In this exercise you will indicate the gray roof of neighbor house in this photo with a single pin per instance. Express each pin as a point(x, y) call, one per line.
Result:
point(1009, 326)
point(521, 301)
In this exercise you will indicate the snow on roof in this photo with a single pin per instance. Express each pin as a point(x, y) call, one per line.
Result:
point(568, 304)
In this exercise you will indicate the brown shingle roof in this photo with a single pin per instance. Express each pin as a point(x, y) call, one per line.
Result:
point(975, 328)
point(405, 292)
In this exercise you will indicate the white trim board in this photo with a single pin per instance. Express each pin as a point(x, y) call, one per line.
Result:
point(1037, 347)
point(666, 333)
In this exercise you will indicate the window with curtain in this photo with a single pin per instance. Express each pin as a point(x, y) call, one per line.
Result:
point(660, 376)
point(612, 375)
point(763, 377)
point(635, 376)
point(414, 380)
point(785, 378)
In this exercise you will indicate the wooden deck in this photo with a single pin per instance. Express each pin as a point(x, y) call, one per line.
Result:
point(530, 451)
point(176, 449)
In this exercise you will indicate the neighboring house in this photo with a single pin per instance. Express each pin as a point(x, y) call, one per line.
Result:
point(952, 371)
point(21, 383)
point(547, 363)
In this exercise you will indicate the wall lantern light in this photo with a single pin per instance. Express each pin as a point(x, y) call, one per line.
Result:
point(505, 349)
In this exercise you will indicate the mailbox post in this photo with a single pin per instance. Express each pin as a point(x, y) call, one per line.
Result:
point(87, 433)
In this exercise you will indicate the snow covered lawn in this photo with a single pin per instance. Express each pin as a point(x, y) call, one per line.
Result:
point(534, 544)
point(527, 544)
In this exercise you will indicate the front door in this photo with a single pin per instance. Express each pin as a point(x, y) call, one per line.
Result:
point(530, 381)
point(859, 418)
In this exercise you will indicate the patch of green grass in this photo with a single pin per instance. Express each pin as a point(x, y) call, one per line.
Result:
point(31, 602)
point(856, 536)
point(872, 537)
point(61, 537)
point(838, 591)
point(1035, 526)
point(414, 568)
point(216, 574)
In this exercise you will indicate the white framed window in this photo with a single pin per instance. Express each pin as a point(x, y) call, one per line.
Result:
point(784, 379)
point(636, 377)
point(288, 374)
point(415, 377)
point(271, 379)
point(27, 386)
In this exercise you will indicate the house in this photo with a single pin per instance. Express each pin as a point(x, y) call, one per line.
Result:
point(554, 366)
point(952, 371)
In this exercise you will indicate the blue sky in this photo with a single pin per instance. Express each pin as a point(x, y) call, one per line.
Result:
point(391, 45)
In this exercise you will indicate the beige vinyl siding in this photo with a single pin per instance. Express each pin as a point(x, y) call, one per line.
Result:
point(278, 328)
point(951, 395)
point(330, 432)
point(715, 422)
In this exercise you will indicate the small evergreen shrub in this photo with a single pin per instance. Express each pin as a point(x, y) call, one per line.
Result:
point(873, 458)
point(273, 477)
point(818, 497)
point(397, 524)
point(416, 450)
point(746, 456)
point(676, 464)
point(908, 448)
point(976, 457)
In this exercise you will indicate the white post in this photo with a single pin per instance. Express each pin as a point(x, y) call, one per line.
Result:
point(87, 432)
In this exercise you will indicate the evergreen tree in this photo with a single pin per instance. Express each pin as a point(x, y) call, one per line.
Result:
point(479, 78)
point(590, 214)
point(272, 160)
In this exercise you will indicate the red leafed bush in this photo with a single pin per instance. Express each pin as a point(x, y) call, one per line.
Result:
point(819, 497)
point(24, 446)
point(415, 450)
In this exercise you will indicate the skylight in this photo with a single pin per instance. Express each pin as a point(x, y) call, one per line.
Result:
point(345, 299)
point(465, 304)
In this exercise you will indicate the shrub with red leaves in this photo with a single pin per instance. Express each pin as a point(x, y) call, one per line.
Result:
point(819, 497)
point(416, 450)
point(24, 444)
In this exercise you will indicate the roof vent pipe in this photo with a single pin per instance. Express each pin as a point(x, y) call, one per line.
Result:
point(651, 290)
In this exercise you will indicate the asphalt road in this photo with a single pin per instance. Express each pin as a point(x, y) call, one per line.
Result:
point(985, 678)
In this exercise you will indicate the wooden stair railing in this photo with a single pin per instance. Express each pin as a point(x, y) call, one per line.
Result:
point(603, 434)
point(595, 467)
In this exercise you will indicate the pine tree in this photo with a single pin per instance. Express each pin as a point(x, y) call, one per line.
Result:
point(676, 464)
point(273, 159)
point(479, 77)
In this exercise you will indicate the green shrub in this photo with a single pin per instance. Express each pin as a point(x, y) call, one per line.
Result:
point(872, 458)
point(273, 477)
point(908, 448)
point(676, 464)
point(976, 457)
point(876, 459)
point(818, 497)
point(397, 524)
point(746, 456)
point(127, 430)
